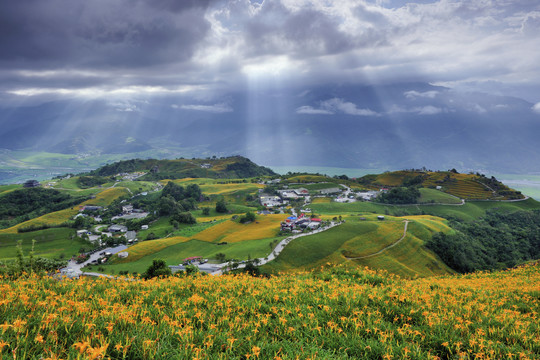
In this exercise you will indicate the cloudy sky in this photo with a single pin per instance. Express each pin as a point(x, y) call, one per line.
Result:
point(139, 49)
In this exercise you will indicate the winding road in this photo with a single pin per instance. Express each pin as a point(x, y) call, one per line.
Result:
point(384, 249)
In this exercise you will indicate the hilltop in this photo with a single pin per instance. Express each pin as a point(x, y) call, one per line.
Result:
point(233, 167)
point(329, 313)
point(464, 186)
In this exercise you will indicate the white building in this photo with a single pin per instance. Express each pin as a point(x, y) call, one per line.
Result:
point(271, 201)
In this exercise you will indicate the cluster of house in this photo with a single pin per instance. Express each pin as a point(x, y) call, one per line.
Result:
point(193, 260)
point(131, 236)
point(130, 176)
point(271, 201)
point(89, 209)
point(297, 224)
point(128, 212)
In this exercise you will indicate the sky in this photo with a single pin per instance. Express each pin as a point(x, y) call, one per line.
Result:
point(202, 50)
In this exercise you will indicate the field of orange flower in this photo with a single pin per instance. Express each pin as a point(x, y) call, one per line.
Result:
point(332, 313)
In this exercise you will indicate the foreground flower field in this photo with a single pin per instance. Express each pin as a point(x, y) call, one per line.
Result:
point(334, 313)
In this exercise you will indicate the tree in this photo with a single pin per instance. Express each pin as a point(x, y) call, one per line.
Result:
point(167, 206)
point(206, 211)
point(221, 257)
point(184, 218)
point(158, 268)
point(173, 190)
point(193, 191)
point(221, 206)
point(252, 269)
point(249, 217)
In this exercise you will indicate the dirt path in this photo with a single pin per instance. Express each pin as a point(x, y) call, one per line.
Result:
point(386, 248)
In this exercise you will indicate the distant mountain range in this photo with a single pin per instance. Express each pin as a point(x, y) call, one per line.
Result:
point(394, 126)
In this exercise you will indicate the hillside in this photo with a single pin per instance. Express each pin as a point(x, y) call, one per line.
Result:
point(177, 219)
point(331, 313)
point(369, 242)
point(233, 167)
point(463, 186)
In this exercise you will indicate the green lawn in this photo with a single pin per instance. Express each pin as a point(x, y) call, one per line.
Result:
point(50, 243)
point(436, 196)
point(162, 227)
point(136, 186)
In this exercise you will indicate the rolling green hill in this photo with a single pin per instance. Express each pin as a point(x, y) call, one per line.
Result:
point(397, 244)
point(464, 186)
point(230, 168)
point(370, 242)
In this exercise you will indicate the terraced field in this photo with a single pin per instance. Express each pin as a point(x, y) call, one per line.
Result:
point(395, 178)
point(231, 232)
point(469, 189)
point(242, 241)
point(463, 186)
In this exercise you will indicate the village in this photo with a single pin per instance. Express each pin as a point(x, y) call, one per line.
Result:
point(285, 199)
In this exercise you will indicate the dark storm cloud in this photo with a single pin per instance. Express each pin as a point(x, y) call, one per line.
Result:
point(172, 46)
point(99, 33)
point(303, 32)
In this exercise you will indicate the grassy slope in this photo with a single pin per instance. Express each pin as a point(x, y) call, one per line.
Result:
point(243, 241)
point(4, 189)
point(49, 243)
point(174, 254)
point(436, 196)
point(470, 211)
point(358, 238)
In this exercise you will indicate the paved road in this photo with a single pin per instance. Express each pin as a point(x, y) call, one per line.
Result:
point(279, 248)
point(74, 270)
point(384, 249)
point(217, 269)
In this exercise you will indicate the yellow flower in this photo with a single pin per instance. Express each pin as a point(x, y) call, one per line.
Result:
point(39, 338)
point(256, 350)
point(3, 344)
point(81, 346)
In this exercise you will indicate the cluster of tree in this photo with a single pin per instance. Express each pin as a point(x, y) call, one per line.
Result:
point(156, 269)
point(413, 180)
point(41, 226)
point(125, 166)
point(248, 217)
point(244, 168)
point(177, 202)
point(499, 240)
point(236, 167)
point(25, 204)
point(85, 182)
point(159, 268)
point(221, 206)
point(400, 195)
